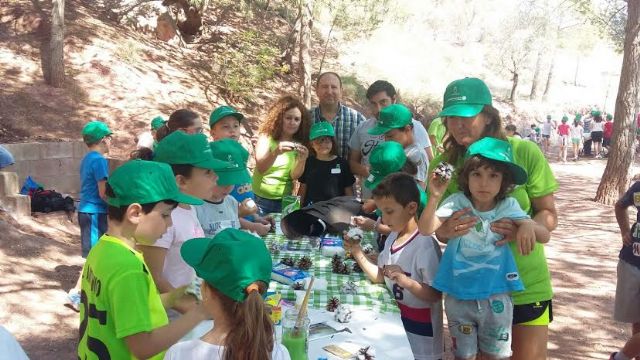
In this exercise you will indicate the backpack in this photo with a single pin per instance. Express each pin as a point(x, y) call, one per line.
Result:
point(51, 200)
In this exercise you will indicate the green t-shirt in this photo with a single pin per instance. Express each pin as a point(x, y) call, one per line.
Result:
point(437, 130)
point(533, 268)
point(122, 299)
point(276, 182)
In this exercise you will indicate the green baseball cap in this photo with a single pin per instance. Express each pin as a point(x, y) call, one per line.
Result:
point(236, 157)
point(394, 116)
point(230, 261)
point(320, 129)
point(157, 122)
point(578, 117)
point(465, 98)
point(385, 159)
point(222, 111)
point(95, 131)
point(498, 150)
point(596, 113)
point(565, 118)
point(145, 182)
point(609, 116)
point(189, 149)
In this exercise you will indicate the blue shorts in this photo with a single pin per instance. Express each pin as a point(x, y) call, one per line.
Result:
point(92, 226)
point(480, 324)
point(268, 206)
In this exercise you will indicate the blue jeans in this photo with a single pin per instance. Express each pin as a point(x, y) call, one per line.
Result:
point(92, 227)
point(268, 206)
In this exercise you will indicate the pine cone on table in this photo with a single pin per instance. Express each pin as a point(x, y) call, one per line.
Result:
point(287, 261)
point(305, 263)
point(356, 268)
point(333, 304)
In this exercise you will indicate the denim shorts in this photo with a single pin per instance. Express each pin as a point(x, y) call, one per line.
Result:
point(480, 324)
point(268, 206)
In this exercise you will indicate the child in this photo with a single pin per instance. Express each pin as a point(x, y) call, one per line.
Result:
point(608, 131)
point(148, 138)
point(122, 314)
point(193, 165)
point(232, 291)
point(395, 123)
point(92, 210)
point(563, 131)
point(628, 285)
point(630, 350)
point(326, 175)
point(475, 273)
point(547, 126)
point(224, 123)
point(220, 211)
point(576, 136)
point(407, 265)
point(597, 129)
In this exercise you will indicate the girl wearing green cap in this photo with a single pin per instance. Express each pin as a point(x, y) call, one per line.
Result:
point(232, 290)
point(576, 136)
point(326, 175)
point(280, 152)
point(469, 116)
point(563, 132)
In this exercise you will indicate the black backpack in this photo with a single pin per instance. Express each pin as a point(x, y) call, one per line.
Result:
point(51, 200)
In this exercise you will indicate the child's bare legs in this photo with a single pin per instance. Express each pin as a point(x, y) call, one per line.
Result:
point(529, 342)
point(576, 150)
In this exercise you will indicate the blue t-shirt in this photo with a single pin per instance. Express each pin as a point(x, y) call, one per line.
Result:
point(6, 158)
point(473, 267)
point(242, 193)
point(631, 253)
point(93, 168)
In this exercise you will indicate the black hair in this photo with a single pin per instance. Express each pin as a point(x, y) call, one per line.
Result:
point(328, 73)
point(409, 167)
point(116, 213)
point(597, 118)
point(399, 186)
point(381, 85)
point(179, 119)
point(476, 162)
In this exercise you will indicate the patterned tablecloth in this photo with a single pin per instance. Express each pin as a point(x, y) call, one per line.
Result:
point(370, 296)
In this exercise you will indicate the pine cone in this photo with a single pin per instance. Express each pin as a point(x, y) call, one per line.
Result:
point(305, 263)
point(367, 249)
point(287, 261)
point(366, 354)
point(336, 259)
point(356, 268)
point(333, 304)
point(343, 269)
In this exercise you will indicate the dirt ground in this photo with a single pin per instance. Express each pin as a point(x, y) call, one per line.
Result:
point(41, 259)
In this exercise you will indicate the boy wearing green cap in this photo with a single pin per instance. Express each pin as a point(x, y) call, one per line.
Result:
point(576, 136)
point(232, 290)
point(476, 273)
point(326, 175)
point(224, 122)
point(122, 314)
point(92, 209)
point(547, 127)
point(395, 122)
point(148, 138)
point(194, 168)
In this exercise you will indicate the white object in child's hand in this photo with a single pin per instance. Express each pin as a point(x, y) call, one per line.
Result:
point(444, 171)
point(300, 297)
point(250, 204)
point(194, 288)
point(343, 313)
point(355, 234)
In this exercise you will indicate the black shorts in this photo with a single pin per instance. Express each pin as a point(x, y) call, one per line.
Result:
point(596, 136)
point(529, 312)
point(546, 136)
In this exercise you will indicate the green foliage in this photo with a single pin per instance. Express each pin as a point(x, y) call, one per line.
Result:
point(249, 64)
point(609, 17)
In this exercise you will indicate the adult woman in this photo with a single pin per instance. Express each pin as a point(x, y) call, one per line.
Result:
point(469, 116)
point(280, 152)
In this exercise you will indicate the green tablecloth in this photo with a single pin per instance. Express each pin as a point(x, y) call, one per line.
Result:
point(370, 296)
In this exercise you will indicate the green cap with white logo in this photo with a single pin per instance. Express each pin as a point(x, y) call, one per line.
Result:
point(498, 150)
point(394, 116)
point(465, 98)
point(385, 159)
point(320, 129)
point(236, 156)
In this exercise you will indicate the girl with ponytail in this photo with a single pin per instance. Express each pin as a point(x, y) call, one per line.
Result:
point(232, 289)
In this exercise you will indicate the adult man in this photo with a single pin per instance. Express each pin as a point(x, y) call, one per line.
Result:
point(380, 95)
point(344, 119)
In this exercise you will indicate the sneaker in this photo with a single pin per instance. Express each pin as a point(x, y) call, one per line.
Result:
point(73, 300)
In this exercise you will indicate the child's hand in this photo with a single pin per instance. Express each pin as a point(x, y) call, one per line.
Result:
point(364, 223)
point(437, 185)
point(526, 238)
point(506, 228)
point(397, 275)
point(261, 229)
point(350, 245)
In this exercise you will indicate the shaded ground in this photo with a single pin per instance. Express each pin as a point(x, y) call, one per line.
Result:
point(42, 259)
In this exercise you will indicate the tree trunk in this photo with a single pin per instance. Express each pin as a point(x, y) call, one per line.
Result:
point(575, 75)
point(514, 87)
point(56, 46)
point(615, 179)
point(306, 23)
point(287, 55)
point(535, 90)
point(547, 87)
point(326, 44)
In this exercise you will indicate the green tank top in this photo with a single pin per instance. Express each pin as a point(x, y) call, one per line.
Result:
point(276, 182)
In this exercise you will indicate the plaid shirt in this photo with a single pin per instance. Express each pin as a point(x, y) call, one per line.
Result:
point(345, 124)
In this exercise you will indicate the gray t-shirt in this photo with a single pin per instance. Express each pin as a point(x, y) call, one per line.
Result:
point(418, 156)
point(215, 217)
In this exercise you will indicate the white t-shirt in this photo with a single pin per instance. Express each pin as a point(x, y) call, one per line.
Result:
point(215, 217)
point(546, 128)
point(597, 126)
point(419, 258)
point(185, 227)
point(576, 131)
point(419, 157)
point(145, 140)
point(198, 349)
